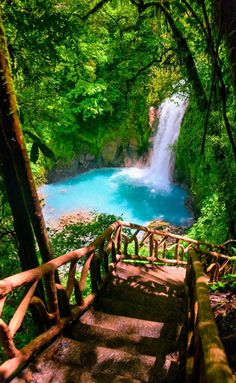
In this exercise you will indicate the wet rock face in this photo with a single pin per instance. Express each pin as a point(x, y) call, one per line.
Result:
point(84, 162)
point(161, 225)
point(113, 154)
point(117, 153)
point(61, 171)
point(131, 152)
point(153, 115)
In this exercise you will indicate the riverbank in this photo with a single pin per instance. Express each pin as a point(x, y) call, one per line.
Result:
point(85, 217)
point(80, 217)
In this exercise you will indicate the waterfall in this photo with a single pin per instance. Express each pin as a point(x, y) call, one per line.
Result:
point(140, 194)
point(171, 112)
point(158, 174)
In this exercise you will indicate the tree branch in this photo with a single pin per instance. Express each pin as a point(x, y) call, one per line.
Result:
point(143, 69)
point(223, 93)
point(95, 9)
point(194, 14)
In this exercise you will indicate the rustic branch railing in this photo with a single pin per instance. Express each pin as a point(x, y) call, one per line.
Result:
point(206, 360)
point(66, 303)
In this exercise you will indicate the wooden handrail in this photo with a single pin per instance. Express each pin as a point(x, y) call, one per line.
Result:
point(206, 355)
point(176, 236)
point(111, 246)
point(8, 284)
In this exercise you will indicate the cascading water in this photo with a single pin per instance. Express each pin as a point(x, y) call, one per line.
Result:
point(140, 195)
point(159, 173)
point(161, 167)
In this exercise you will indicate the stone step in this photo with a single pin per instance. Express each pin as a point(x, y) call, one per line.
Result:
point(69, 361)
point(130, 342)
point(131, 326)
point(72, 361)
point(175, 271)
point(49, 371)
point(143, 294)
point(162, 275)
point(137, 336)
point(162, 312)
point(104, 378)
point(140, 281)
point(102, 359)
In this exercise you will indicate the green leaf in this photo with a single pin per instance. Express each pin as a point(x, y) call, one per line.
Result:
point(21, 117)
point(46, 151)
point(213, 287)
point(31, 135)
point(230, 276)
point(43, 147)
point(34, 153)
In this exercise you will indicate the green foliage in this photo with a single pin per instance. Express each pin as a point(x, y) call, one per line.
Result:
point(83, 82)
point(73, 78)
point(210, 177)
point(27, 330)
point(70, 238)
point(228, 283)
point(212, 224)
point(37, 146)
point(143, 251)
point(74, 236)
point(9, 260)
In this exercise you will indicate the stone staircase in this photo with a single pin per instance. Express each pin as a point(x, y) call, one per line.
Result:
point(143, 321)
point(134, 332)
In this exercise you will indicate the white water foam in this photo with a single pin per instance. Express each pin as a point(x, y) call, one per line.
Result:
point(158, 175)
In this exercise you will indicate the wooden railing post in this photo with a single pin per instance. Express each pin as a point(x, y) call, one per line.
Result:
point(118, 239)
point(136, 245)
point(102, 257)
point(105, 262)
point(164, 249)
point(126, 244)
point(209, 362)
point(71, 278)
point(177, 250)
point(113, 251)
point(52, 294)
point(78, 293)
point(156, 248)
point(93, 274)
point(7, 341)
point(98, 270)
point(63, 301)
point(151, 246)
point(197, 358)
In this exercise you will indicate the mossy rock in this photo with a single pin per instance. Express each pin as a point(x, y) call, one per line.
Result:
point(158, 224)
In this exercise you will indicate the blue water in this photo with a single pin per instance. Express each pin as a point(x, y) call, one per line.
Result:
point(115, 192)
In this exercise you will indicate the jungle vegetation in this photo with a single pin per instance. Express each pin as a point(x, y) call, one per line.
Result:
point(86, 73)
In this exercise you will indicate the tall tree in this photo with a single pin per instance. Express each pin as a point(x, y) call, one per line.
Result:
point(14, 158)
point(226, 22)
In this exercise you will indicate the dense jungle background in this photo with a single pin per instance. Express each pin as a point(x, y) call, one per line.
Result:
point(86, 75)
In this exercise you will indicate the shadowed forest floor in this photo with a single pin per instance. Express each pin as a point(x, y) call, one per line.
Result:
point(224, 308)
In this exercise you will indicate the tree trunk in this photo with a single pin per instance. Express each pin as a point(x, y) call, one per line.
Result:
point(23, 228)
point(13, 139)
point(226, 15)
point(185, 52)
